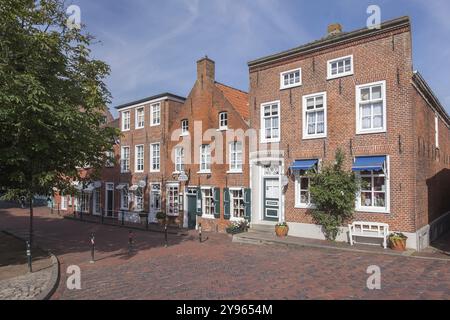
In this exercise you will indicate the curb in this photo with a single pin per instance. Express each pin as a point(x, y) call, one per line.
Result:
point(254, 241)
point(54, 278)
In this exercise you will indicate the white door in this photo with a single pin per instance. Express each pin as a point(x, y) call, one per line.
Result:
point(155, 202)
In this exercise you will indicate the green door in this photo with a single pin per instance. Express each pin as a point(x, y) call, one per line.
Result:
point(192, 210)
point(271, 199)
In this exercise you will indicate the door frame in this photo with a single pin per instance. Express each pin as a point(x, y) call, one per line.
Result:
point(264, 216)
point(106, 198)
point(186, 206)
point(151, 184)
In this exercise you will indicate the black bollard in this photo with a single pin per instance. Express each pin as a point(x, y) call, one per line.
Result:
point(200, 232)
point(30, 268)
point(92, 248)
point(165, 234)
point(130, 242)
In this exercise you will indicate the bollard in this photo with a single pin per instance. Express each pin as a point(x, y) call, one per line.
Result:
point(130, 242)
point(146, 224)
point(92, 248)
point(30, 268)
point(200, 232)
point(59, 213)
point(81, 214)
point(103, 214)
point(123, 217)
point(165, 234)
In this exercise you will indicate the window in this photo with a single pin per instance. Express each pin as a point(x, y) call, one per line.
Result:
point(124, 201)
point(184, 127)
point(236, 156)
point(109, 159)
point(140, 118)
point(291, 78)
point(205, 158)
point(436, 130)
point(125, 120)
point(138, 200)
point(97, 208)
point(125, 159)
point(372, 195)
point(172, 200)
point(179, 159)
point(154, 157)
point(270, 122)
point(155, 114)
point(223, 121)
point(237, 203)
point(139, 158)
point(208, 202)
point(315, 116)
point(371, 108)
point(302, 194)
point(340, 67)
point(63, 202)
point(84, 202)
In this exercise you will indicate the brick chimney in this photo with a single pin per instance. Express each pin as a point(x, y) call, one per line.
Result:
point(334, 28)
point(206, 69)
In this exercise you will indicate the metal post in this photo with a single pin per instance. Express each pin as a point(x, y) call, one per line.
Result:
point(59, 213)
point(123, 217)
point(130, 242)
point(92, 248)
point(81, 214)
point(103, 214)
point(146, 224)
point(200, 232)
point(51, 209)
point(30, 268)
point(165, 234)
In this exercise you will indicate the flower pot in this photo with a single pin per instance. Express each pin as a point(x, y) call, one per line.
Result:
point(398, 244)
point(281, 231)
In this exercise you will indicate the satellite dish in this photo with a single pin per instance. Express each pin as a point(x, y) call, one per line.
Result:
point(142, 183)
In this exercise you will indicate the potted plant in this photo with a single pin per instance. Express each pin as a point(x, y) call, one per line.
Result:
point(397, 241)
point(161, 216)
point(237, 227)
point(281, 229)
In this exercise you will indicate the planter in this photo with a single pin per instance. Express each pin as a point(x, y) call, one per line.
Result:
point(281, 231)
point(398, 244)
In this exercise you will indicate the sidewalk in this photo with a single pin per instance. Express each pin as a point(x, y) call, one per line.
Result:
point(265, 238)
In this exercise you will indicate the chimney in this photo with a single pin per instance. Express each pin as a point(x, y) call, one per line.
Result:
point(205, 69)
point(334, 28)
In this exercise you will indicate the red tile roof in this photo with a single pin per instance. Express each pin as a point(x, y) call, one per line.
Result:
point(237, 98)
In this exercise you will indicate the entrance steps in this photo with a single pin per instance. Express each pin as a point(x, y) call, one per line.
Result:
point(262, 228)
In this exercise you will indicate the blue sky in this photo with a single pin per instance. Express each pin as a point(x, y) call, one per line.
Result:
point(152, 46)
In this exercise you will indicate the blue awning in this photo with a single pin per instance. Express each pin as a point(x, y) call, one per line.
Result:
point(303, 165)
point(369, 163)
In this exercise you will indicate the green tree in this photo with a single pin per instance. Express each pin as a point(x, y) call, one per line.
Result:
point(52, 100)
point(333, 191)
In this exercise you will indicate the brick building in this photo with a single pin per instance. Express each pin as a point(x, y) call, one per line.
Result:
point(356, 91)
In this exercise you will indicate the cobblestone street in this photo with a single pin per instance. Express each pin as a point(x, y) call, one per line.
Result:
point(218, 268)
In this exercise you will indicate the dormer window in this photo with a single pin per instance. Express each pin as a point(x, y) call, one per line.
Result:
point(223, 121)
point(340, 67)
point(291, 78)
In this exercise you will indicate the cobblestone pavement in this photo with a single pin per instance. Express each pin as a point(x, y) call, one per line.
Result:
point(26, 287)
point(220, 269)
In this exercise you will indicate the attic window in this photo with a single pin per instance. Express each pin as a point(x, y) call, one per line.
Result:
point(340, 67)
point(291, 78)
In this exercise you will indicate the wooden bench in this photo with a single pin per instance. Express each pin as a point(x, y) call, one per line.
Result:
point(369, 230)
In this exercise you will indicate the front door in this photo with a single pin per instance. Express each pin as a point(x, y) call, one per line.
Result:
point(109, 199)
point(192, 210)
point(271, 199)
point(155, 202)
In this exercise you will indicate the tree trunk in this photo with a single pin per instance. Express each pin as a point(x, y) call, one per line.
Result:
point(31, 222)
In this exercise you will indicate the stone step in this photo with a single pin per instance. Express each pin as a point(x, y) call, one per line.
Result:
point(262, 228)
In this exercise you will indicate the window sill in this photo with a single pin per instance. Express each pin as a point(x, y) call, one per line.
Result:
point(204, 172)
point(342, 75)
point(127, 171)
point(371, 210)
point(306, 137)
point(154, 171)
point(138, 171)
point(136, 128)
point(361, 132)
point(208, 216)
point(237, 219)
point(125, 130)
point(271, 141)
point(184, 134)
point(302, 206)
point(222, 129)
point(234, 172)
point(291, 86)
point(155, 125)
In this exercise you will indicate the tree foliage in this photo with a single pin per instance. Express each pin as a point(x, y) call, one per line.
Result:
point(333, 191)
point(52, 99)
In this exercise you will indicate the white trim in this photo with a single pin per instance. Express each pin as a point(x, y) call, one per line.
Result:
point(232, 218)
point(436, 130)
point(128, 198)
point(150, 101)
point(206, 156)
point(151, 114)
point(223, 128)
point(339, 75)
point(305, 135)
point(121, 158)
point(136, 118)
point(230, 154)
point(262, 129)
point(297, 204)
point(212, 189)
point(122, 120)
point(358, 100)
point(151, 157)
point(282, 74)
point(63, 201)
point(387, 208)
point(136, 158)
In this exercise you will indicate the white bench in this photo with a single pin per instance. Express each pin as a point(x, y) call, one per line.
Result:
point(370, 230)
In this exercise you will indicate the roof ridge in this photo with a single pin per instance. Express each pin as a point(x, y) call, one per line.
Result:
point(223, 84)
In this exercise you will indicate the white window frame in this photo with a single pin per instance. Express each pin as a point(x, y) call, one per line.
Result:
point(343, 74)
point(436, 130)
point(171, 189)
point(158, 157)
point(307, 136)
point(126, 125)
point(109, 159)
point(236, 166)
point(139, 193)
point(97, 201)
point(263, 138)
point(223, 120)
point(140, 124)
point(155, 108)
point(184, 127)
point(232, 216)
point(298, 189)
point(359, 129)
point(205, 215)
point(297, 84)
point(205, 166)
point(179, 159)
point(122, 158)
point(386, 210)
point(124, 192)
point(64, 202)
point(138, 161)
